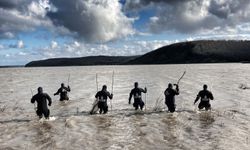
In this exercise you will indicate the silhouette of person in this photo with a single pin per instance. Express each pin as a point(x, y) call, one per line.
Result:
point(170, 97)
point(205, 97)
point(41, 99)
point(102, 97)
point(63, 91)
point(136, 93)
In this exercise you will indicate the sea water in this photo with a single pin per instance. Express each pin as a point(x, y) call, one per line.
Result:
point(227, 126)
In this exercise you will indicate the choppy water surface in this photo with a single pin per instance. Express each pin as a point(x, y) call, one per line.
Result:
point(226, 127)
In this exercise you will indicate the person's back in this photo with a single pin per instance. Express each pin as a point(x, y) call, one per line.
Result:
point(41, 99)
point(170, 96)
point(136, 93)
point(205, 97)
point(102, 97)
point(63, 91)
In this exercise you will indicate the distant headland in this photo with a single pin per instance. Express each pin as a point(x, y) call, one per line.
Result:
point(203, 51)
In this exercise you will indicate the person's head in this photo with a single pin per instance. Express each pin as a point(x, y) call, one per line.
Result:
point(136, 84)
point(104, 87)
point(40, 90)
point(204, 87)
point(170, 86)
point(62, 84)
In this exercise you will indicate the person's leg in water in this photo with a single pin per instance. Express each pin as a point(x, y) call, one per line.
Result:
point(100, 107)
point(201, 105)
point(105, 108)
point(141, 104)
point(46, 114)
point(136, 104)
point(208, 106)
point(66, 98)
point(172, 108)
point(39, 113)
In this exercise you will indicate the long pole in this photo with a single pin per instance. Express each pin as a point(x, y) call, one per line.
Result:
point(145, 100)
point(96, 100)
point(32, 96)
point(181, 78)
point(112, 88)
point(68, 79)
point(96, 80)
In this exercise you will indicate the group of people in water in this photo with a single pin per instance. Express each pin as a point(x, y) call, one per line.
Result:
point(102, 96)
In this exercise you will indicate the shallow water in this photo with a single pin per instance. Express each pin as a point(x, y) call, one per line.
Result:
point(227, 126)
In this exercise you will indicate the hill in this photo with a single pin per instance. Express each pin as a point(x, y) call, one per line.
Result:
point(198, 52)
point(82, 61)
point(206, 51)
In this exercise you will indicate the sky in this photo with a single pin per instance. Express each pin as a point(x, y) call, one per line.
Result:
point(41, 29)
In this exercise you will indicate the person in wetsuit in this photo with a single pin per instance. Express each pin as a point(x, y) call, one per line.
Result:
point(136, 93)
point(63, 91)
point(205, 97)
point(102, 97)
point(170, 97)
point(41, 99)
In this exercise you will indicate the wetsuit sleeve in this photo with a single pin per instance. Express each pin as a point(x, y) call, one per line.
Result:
point(58, 91)
point(33, 99)
point(49, 99)
point(177, 92)
point(211, 96)
point(97, 95)
point(109, 95)
point(165, 92)
point(130, 96)
point(197, 98)
point(143, 90)
point(68, 89)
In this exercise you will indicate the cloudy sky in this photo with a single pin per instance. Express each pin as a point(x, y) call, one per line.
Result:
point(41, 29)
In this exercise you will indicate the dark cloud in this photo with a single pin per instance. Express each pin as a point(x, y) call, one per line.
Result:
point(195, 16)
point(22, 15)
point(133, 5)
point(14, 4)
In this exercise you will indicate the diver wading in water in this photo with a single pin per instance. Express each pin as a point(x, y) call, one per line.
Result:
point(63, 91)
point(205, 97)
point(136, 93)
point(170, 97)
point(102, 97)
point(41, 99)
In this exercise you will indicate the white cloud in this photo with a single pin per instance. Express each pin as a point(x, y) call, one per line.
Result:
point(53, 45)
point(20, 44)
point(36, 9)
point(22, 53)
point(195, 16)
point(93, 21)
point(23, 16)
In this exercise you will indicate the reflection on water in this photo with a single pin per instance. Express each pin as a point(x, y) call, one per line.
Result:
point(225, 127)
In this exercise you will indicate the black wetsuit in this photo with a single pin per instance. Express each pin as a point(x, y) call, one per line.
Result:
point(102, 96)
point(205, 96)
point(63, 91)
point(136, 92)
point(170, 98)
point(42, 108)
